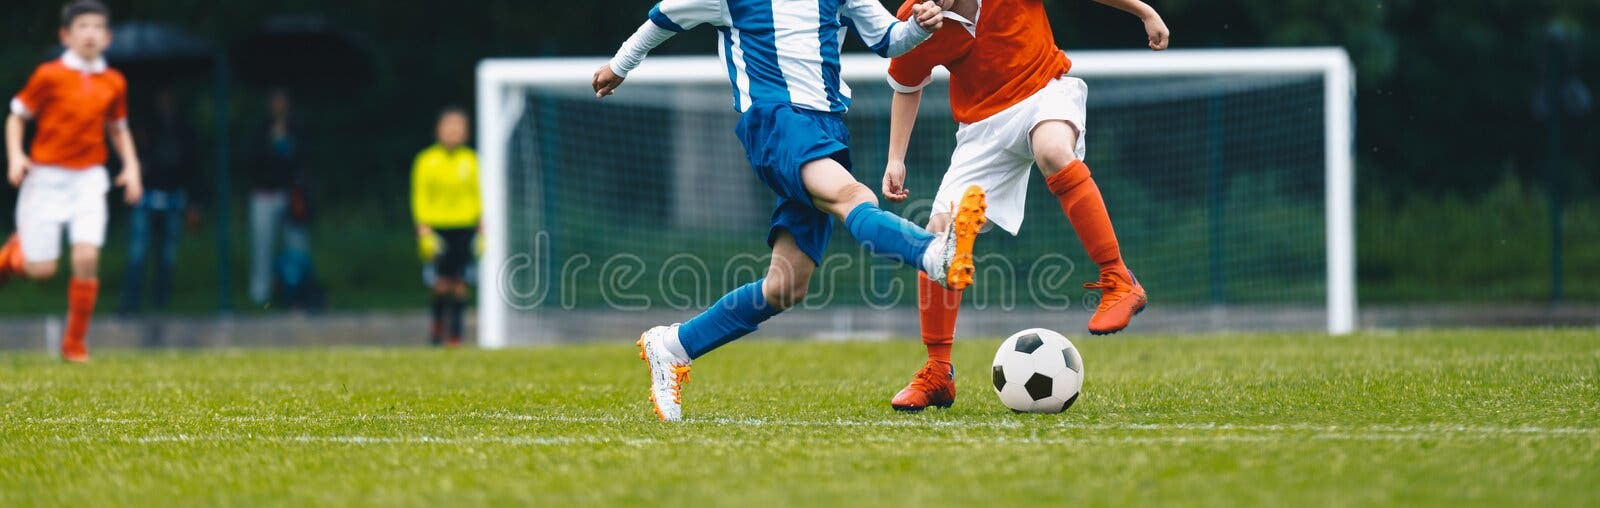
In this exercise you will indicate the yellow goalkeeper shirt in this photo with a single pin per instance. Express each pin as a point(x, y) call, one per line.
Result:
point(444, 188)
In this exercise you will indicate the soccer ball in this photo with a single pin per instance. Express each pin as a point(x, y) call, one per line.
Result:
point(1037, 371)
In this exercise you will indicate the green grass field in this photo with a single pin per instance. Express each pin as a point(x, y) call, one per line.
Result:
point(1411, 419)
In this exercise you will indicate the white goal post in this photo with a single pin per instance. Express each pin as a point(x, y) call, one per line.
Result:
point(502, 83)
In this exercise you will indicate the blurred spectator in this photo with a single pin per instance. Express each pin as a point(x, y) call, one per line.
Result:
point(277, 181)
point(446, 205)
point(157, 221)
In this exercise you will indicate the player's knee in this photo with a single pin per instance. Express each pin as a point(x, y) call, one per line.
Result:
point(85, 263)
point(785, 293)
point(39, 271)
point(852, 195)
point(1054, 160)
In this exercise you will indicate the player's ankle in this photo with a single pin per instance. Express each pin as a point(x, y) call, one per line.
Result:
point(938, 351)
point(1114, 266)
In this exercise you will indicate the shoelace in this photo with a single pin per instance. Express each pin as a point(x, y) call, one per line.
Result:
point(924, 378)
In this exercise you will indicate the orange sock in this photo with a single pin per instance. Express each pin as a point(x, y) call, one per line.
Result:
point(937, 307)
point(1081, 201)
point(81, 295)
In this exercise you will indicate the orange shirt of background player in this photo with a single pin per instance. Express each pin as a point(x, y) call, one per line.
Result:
point(71, 103)
point(1013, 55)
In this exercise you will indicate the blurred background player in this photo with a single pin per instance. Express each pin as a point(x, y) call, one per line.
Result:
point(279, 168)
point(156, 223)
point(446, 206)
point(791, 102)
point(73, 101)
point(1016, 108)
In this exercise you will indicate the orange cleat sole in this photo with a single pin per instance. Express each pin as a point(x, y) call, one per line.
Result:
point(646, 357)
point(1130, 319)
point(969, 220)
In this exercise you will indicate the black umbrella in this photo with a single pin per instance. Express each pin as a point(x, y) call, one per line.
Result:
point(146, 50)
point(149, 51)
point(304, 54)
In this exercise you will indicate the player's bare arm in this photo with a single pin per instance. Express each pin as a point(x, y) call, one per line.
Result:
point(902, 119)
point(130, 178)
point(1154, 28)
point(16, 160)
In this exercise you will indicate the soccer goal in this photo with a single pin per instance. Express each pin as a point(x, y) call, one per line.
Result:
point(1228, 174)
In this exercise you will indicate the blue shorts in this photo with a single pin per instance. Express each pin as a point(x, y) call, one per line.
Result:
point(779, 139)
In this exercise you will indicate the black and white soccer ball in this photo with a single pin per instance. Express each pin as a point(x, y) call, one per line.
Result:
point(1038, 371)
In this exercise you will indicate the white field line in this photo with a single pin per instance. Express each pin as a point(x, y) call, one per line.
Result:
point(363, 440)
point(1377, 431)
point(558, 441)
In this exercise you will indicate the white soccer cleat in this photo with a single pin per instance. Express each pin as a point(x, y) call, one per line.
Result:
point(948, 260)
point(668, 372)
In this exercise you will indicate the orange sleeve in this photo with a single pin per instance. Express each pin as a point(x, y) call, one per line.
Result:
point(33, 96)
point(912, 71)
point(118, 114)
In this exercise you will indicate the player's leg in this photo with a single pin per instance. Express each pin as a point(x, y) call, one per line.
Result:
point(980, 159)
point(82, 294)
point(440, 307)
point(741, 311)
point(167, 255)
point(458, 309)
point(139, 240)
point(669, 350)
point(86, 232)
point(452, 271)
point(1057, 150)
point(266, 215)
point(946, 257)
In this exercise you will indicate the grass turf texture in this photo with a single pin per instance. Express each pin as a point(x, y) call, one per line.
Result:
point(1438, 418)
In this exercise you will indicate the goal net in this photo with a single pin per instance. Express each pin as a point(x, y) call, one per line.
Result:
point(1227, 174)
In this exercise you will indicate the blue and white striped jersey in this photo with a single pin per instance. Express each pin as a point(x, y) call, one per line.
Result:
point(788, 50)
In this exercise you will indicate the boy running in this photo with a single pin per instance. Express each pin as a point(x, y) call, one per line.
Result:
point(73, 101)
point(1016, 108)
point(783, 62)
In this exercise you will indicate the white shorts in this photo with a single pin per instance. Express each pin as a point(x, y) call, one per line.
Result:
point(996, 153)
point(52, 198)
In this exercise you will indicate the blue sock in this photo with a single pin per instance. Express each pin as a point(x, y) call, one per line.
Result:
point(887, 234)
point(737, 314)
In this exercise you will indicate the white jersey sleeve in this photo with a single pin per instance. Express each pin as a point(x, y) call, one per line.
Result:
point(886, 35)
point(666, 19)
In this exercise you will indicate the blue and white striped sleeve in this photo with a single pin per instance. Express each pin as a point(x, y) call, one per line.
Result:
point(681, 15)
point(666, 19)
point(886, 35)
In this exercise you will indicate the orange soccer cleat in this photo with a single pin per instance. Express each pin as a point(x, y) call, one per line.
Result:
point(1121, 298)
point(74, 350)
point(948, 260)
point(10, 259)
point(934, 385)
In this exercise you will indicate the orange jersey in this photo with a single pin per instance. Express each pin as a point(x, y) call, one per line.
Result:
point(1012, 56)
point(71, 102)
